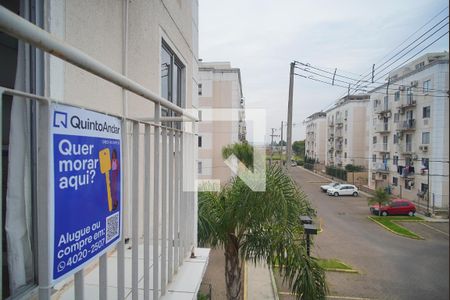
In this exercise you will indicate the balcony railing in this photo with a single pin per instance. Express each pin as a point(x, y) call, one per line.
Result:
point(405, 125)
point(380, 167)
point(381, 147)
point(382, 109)
point(382, 128)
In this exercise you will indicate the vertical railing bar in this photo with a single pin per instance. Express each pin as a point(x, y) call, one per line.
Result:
point(79, 285)
point(170, 199)
point(103, 277)
point(177, 202)
point(147, 177)
point(135, 213)
point(125, 193)
point(164, 212)
point(1, 191)
point(182, 199)
point(156, 205)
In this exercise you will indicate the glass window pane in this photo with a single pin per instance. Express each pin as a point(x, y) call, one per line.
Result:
point(165, 73)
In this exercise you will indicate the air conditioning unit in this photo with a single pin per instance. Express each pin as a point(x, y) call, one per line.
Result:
point(414, 83)
point(415, 157)
point(401, 88)
point(424, 148)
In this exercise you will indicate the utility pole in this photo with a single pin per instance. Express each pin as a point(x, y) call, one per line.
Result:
point(289, 117)
point(281, 149)
point(271, 145)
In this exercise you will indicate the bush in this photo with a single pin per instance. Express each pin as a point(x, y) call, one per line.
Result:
point(353, 168)
point(336, 172)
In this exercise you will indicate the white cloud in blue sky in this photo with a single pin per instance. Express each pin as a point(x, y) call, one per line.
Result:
point(261, 37)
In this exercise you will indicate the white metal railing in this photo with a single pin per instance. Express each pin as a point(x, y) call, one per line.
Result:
point(173, 198)
point(168, 158)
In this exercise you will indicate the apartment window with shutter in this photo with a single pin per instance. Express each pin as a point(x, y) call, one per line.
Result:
point(394, 181)
point(425, 137)
point(199, 141)
point(199, 167)
point(426, 86)
point(396, 117)
point(374, 140)
point(395, 160)
point(397, 96)
point(426, 112)
point(374, 158)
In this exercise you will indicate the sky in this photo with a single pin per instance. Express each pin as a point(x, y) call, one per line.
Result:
point(262, 37)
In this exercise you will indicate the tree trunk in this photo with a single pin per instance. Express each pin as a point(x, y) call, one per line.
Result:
point(233, 270)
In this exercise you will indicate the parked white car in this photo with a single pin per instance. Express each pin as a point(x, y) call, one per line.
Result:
point(343, 190)
point(325, 187)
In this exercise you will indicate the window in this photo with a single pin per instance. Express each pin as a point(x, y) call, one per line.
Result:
point(345, 141)
point(426, 86)
point(395, 139)
point(394, 181)
point(384, 176)
point(420, 65)
point(397, 96)
point(374, 157)
point(424, 187)
point(396, 117)
point(426, 112)
point(395, 160)
point(199, 167)
point(345, 127)
point(172, 76)
point(374, 140)
point(346, 113)
point(425, 137)
point(200, 89)
point(425, 163)
point(199, 141)
point(345, 154)
point(409, 95)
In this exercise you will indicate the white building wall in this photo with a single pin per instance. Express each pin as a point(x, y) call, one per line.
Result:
point(436, 125)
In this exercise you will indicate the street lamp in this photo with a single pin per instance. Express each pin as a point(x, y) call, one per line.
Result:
point(309, 228)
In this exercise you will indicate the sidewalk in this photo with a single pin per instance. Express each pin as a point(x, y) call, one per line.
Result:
point(260, 282)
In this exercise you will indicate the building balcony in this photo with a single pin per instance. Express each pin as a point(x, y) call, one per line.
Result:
point(379, 167)
point(383, 110)
point(383, 147)
point(406, 125)
point(405, 148)
point(382, 128)
point(410, 102)
point(331, 124)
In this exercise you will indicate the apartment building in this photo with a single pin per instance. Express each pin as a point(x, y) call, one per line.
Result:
point(316, 136)
point(222, 105)
point(409, 132)
point(346, 132)
point(94, 98)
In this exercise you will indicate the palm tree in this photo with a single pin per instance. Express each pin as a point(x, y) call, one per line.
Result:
point(381, 198)
point(255, 226)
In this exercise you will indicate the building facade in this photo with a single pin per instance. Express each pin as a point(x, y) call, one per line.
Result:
point(135, 61)
point(346, 132)
point(316, 136)
point(408, 131)
point(222, 105)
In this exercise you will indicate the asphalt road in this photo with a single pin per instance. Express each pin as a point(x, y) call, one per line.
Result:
point(390, 266)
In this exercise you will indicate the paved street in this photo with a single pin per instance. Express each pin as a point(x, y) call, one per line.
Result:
point(391, 267)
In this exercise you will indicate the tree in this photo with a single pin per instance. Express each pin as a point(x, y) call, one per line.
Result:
point(253, 226)
point(381, 198)
point(243, 151)
point(299, 148)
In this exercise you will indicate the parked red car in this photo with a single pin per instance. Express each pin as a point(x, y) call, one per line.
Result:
point(396, 207)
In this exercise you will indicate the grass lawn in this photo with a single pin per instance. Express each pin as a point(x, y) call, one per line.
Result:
point(335, 265)
point(390, 223)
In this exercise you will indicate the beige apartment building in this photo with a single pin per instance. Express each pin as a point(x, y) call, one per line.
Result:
point(316, 136)
point(409, 130)
point(346, 132)
point(133, 64)
point(219, 88)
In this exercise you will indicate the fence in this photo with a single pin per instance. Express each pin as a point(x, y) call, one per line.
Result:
point(163, 211)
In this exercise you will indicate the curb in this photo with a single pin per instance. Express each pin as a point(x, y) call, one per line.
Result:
point(342, 270)
point(394, 232)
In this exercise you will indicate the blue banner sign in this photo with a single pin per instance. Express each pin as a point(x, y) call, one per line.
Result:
point(86, 183)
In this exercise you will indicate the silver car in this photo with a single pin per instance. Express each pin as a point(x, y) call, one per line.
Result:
point(343, 190)
point(325, 187)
